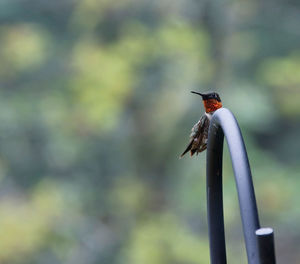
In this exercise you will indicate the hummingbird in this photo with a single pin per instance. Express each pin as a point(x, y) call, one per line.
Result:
point(199, 135)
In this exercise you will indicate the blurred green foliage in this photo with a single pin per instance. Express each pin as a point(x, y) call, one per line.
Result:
point(95, 109)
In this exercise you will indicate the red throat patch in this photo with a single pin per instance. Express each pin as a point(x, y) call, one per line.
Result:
point(211, 105)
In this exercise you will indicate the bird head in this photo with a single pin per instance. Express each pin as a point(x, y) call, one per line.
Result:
point(211, 101)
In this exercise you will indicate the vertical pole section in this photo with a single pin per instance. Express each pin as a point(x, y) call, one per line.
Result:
point(265, 239)
point(224, 123)
point(215, 201)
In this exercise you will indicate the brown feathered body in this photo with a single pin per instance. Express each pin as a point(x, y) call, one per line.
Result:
point(199, 134)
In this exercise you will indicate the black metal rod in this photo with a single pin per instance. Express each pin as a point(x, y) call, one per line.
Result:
point(265, 240)
point(224, 123)
point(215, 200)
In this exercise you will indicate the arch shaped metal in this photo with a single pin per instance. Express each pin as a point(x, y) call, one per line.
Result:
point(224, 123)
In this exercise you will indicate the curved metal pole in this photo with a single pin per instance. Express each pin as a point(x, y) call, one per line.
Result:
point(223, 122)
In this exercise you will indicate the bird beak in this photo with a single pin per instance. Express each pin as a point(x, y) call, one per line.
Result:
point(197, 93)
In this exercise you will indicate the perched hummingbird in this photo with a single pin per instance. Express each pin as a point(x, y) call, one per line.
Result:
point(199, 135)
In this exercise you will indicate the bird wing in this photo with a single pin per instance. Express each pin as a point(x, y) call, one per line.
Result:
point(198, 131)
point(188, 148)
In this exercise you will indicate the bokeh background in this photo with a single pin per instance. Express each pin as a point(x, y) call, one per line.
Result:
point(95, 108)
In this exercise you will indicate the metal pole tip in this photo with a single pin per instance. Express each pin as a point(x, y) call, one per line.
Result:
point(264, 231)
